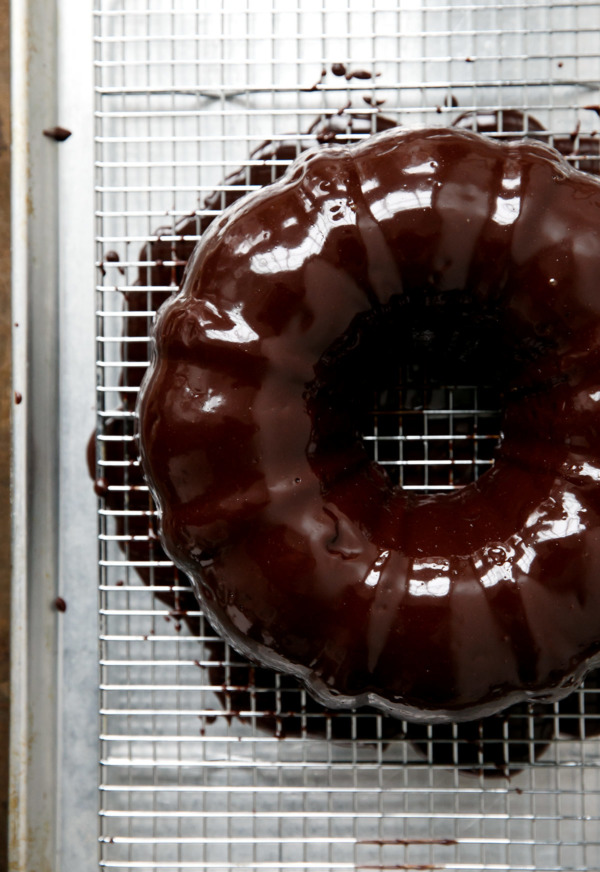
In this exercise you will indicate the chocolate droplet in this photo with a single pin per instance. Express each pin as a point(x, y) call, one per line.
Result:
point(59, 134)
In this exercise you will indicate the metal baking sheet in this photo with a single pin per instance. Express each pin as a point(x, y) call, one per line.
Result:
point(203, 762)
point(54, 696)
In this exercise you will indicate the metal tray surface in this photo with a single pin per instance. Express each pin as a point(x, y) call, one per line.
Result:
point(203, 762)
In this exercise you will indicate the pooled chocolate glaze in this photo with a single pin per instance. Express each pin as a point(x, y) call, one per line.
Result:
point(497, 746)
point(441, 607)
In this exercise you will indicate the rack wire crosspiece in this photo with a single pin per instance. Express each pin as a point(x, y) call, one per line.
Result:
point(205, 762)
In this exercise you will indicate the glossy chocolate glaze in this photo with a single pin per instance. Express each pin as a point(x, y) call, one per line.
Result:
point(167, 255)
point(440, 607)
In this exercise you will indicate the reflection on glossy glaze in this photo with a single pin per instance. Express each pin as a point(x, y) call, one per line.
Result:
point(440, 607)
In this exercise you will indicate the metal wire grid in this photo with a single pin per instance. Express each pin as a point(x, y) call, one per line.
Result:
point(205, 762)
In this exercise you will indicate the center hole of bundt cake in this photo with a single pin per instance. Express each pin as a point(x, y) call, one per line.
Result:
point(430, 434)
point(422, 384)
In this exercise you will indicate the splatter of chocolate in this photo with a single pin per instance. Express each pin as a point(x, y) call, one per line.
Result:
point(422, 867)
point(18, 398)
point(327, 135)
point(101, 487)
point(60, 605)
point(360, 74)
point(318, 82)
point(338, 69)
point(575, 133)
point(341, 111)
point(113, 257)
point(407, 842)
point(120, 583)
point(373, 101)
point(451, 102)
point(59, 134)
point(469, 61)
point(593, 108)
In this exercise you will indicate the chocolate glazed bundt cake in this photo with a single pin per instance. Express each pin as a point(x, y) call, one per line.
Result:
point(162, 275)
point(438, 608)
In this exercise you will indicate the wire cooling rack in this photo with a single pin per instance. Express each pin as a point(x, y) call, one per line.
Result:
point(205, 762)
